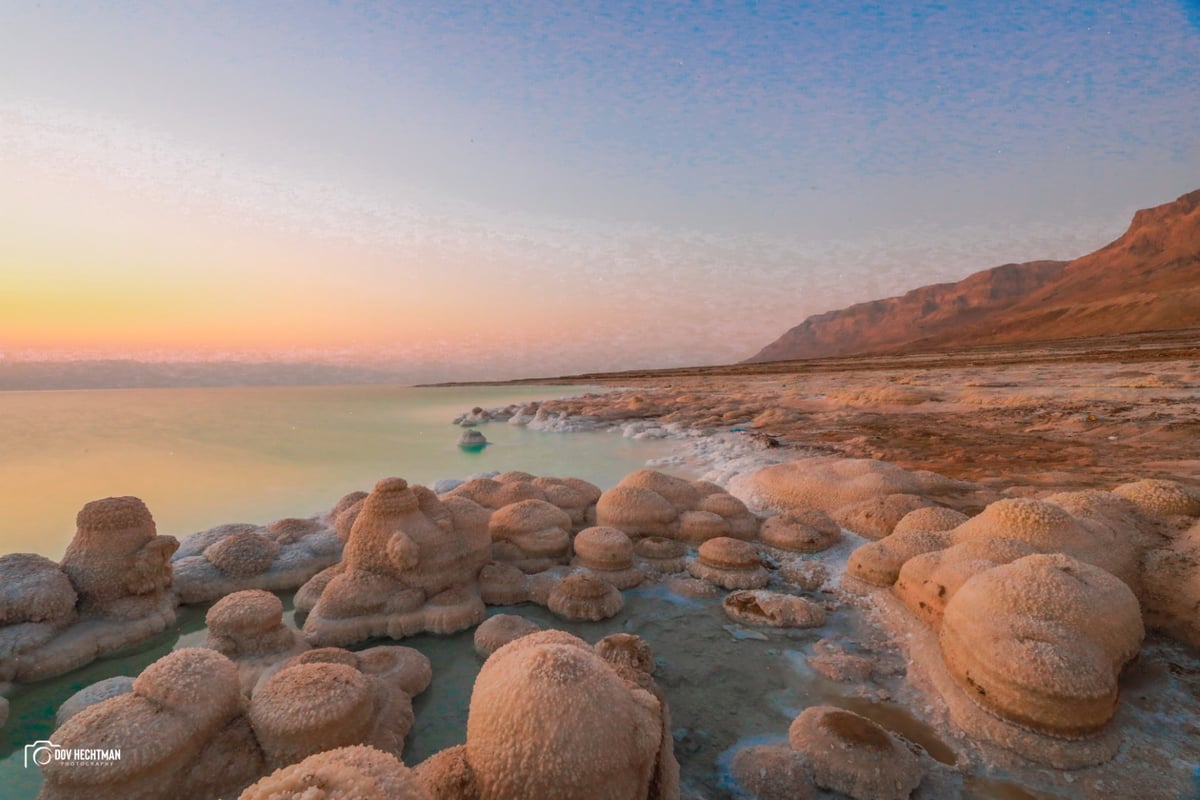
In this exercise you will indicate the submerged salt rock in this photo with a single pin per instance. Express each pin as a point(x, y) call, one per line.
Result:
point(850, 754)
point(34, 589)
point(878, 563)
point(550, 718)
point(117, 562)
point(802, 531)
point(583, 596)
point(877, 517)
point(1161, 498)
point(495, 632)
point(346, 773)
point(661, 555)
point(177, 707)
point(770, 772)
point(773, 608)
point(928, 581)
point(729, 563)
point(1041, 641)
point(930, 518)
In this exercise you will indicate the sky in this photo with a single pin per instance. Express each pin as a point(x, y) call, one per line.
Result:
point(487, 190)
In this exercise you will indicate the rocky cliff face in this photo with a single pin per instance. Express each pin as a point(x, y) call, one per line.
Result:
point(1149, 279)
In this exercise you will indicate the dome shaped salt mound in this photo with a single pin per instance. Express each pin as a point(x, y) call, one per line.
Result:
point(405, 549)
point(1162, 498)
point(243, 555)
point(661, 555)
point(775, 609)
point(248, 628)
point(1040, 642)
point(741, 522)
point(637, 511)
point(801, 531)
point(574, 496)
point(503, 585)
point(678, 492)
point(585, 597)
point(1171, 587)
point(608, 554)
point(34, 589)
point(550, 718)
point(180, 707)
point(347, 773)
point(830, 483)
point(876, 517)
point(290, 530)
point(850, 754)
point(878, 563)
point(531, 534)
point(493, 494)
point(930, 518)
point(729, 563)
point(117, 563)
point(495, 632)
point(928, 581)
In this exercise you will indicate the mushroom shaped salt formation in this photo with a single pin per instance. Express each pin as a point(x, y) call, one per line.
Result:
point(928, 581)
point(1161, 498)
point(876, 517)
point(584, 597)
point(850, 754)
point(533, 535)
point(495, 632)
point(608, 554)
point(550, 718)
point(347, 773)
point(1041, 641)
point(637, 511)
point(930, 518)
point(778, 610)
point(503, 585)
point(404, 551)
point(660, 555)
point(34, 590)
point(802, 531)
point(248, 628)
point(180, 712)
point(729, 563)
point(878, 563)
point(117, 563)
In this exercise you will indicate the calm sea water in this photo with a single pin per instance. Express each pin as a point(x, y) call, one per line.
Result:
point(202, 457)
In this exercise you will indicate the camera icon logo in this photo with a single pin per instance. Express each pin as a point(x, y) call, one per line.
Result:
point(40, 752)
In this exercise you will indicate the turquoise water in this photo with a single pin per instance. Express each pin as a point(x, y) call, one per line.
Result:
point(202, 457)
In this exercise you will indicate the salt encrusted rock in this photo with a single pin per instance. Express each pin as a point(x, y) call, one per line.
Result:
point(531, 534)
point(550, 718)
point(583, 596)
point(347, 773)
point(660, 555)
point(769, 772)
point(802, 531)
point(608, 554)
point(97, 692)
point(168, 727)
point(1162, 498)
point(404, 551)
point(850, 754)
point(729, 563)
point(34, 589)
point(930, 518)
point(1041, 641)
point(472, 438)
point(830, 483)
point(279, 557)
point(878, 563)
point(1171, 587)
point(876, 517)
point(495, 632)
point(117, 563)
point(807, 575)
point(775, 609)
point(247, 627)
point(111, 591)
point(928, 581)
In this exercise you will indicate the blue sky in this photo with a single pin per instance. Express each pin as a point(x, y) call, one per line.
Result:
point(693, 154)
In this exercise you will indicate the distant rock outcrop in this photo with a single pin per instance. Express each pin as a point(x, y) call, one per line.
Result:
point(1148, 279)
